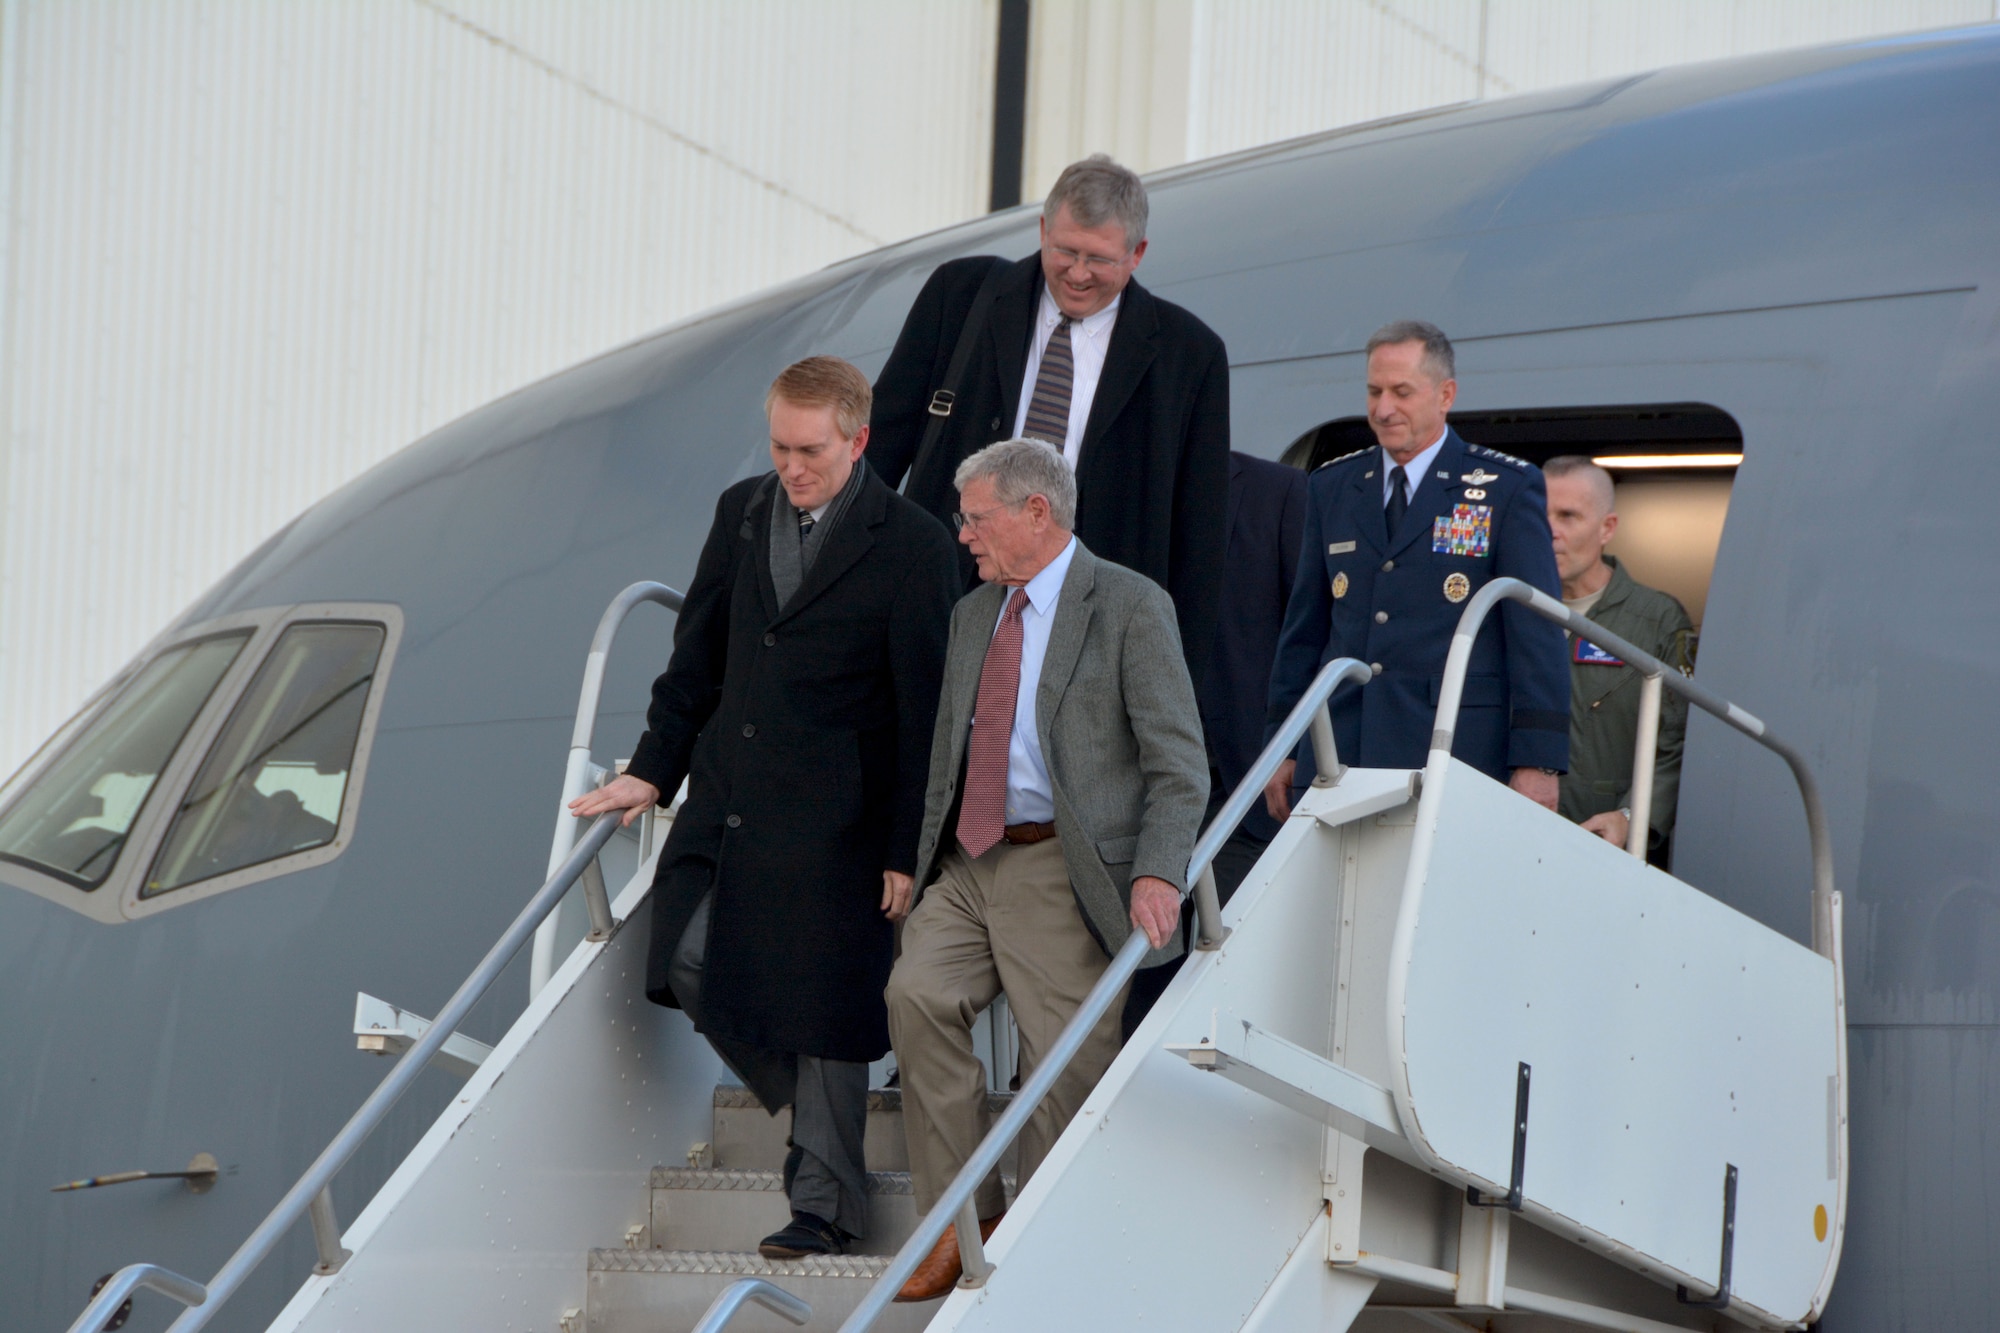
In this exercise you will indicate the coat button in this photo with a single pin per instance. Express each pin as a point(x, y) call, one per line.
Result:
point(1375, 667)
point(995, 424)
point(1381, 617)
point(734, 821)
point(1388, 565)
point(749, 730)
point(770, 640)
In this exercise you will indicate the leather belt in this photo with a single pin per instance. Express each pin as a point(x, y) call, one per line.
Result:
point(1021, 834)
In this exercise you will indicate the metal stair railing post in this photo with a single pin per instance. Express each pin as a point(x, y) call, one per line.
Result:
point(1645, 758)
point(577, 769)
point(956, 1201)
point(304, 1194)
point(752, 1289)
point(104, 1306)
point(1548, 608)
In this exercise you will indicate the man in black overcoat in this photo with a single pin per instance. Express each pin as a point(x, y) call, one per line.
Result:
point(798, 704)
point(1068, 348)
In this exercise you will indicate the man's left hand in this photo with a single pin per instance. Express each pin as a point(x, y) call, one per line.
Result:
point(1537, 786)
point(1612, 826)
point(1156, 908)
point(897, 890)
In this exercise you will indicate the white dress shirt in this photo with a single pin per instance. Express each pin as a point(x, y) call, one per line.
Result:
point(1413, 471)
point(1030, 798)
point(1089, 340)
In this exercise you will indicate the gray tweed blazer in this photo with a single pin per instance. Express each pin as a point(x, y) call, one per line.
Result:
point(1120, 732)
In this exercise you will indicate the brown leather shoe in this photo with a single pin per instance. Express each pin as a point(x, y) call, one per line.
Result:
point(941, 1268)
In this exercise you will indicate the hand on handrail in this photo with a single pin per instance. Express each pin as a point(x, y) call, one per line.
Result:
point(633, 795)
point(1156, 908)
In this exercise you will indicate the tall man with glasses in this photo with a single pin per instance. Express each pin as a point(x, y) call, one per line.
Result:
point(798, 704)
point(1067, 781)
point(1065, 346)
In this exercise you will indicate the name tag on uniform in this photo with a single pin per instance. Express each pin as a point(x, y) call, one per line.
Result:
point(1586, 653)
point(1340, 548)
point(1466, 530)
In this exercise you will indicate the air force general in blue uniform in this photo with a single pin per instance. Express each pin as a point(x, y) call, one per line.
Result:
point(1391, 595)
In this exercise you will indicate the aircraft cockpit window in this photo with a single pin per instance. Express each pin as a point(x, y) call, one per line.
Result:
point(73, 823)
point(232, 752)
point(274, 782)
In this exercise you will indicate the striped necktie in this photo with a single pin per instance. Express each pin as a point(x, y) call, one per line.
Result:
point(1048, 410)
point(982, 813)
point(805, 523)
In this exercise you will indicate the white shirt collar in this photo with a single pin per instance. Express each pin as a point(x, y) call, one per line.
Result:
point(1045, 587)
point(1091, 326)
point(1416, 467)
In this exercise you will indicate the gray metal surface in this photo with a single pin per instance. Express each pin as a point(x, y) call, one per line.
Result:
point(725, 1209)
point(1804, 241)
point(748, 1291)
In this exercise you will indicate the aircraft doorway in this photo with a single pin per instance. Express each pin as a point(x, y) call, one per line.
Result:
point(1673, 463)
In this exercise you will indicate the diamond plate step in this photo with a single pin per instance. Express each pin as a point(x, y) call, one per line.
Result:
point(651, 1291)
point(731, 1210)
point(749, 1138)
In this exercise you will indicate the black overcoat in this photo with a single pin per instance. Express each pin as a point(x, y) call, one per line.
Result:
point(1152, 473)
point(805, 738)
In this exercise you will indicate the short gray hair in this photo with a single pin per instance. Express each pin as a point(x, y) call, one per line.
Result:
point(1438, 358)
point(1019, 469)
point(1098, 191)
point(1576, 465)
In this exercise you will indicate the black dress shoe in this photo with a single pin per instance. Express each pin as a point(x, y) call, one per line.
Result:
point(807, 1234)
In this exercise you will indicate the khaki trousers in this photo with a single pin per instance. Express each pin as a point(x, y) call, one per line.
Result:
point(1005, 921)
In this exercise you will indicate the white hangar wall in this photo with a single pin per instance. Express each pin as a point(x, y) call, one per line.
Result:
point(254, 248)
point(251, 249)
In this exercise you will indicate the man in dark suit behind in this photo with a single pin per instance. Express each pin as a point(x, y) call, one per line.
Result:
point(799, 705)
point(1068, 348)
point(1397, 538)
point(1267, 512)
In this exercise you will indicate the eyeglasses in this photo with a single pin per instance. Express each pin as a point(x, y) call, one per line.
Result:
point(1098, 264)
point(962, 520)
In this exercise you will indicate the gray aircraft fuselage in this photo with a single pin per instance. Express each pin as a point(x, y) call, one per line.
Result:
point(1809, 242)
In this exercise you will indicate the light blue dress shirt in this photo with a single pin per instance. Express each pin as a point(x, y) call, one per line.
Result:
point(1030, 797)
point(1413, 471)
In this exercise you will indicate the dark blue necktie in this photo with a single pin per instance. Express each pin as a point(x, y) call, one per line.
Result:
point(1399, 502)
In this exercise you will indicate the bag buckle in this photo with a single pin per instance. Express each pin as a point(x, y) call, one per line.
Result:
point(941, 402)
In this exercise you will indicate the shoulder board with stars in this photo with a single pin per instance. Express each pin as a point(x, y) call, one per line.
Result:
point(1342, 459)
point(1481, 451)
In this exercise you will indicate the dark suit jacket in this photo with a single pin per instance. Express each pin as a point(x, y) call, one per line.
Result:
point(1153, 468)
point(1392, 600)
point(1267, 511)
point(805, 737)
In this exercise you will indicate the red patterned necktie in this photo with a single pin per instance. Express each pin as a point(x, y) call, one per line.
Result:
point(982, 814)
point(1055, 381)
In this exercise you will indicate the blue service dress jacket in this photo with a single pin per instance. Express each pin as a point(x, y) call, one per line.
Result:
point(1392, 600)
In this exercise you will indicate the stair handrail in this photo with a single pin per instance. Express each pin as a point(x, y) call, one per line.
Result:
point(1459, 659)
point(742, 1292)
point(310, 1195)
point(1309, 715)
point(577, 774)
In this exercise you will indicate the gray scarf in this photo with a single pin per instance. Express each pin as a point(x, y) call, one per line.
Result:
point(791, 558)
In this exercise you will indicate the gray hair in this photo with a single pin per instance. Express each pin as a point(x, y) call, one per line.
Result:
point(1576, 465)
point(1438, 358)
point(1098, 191)
point(1019, 469)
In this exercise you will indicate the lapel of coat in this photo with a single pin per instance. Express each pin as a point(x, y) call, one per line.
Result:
point(850, 539)
point(1012, 322)
point(1365, 501)
point(1434, 495)
point(1133, 346)
point(757, 531)
point(1066, 635)
point(1235, 492)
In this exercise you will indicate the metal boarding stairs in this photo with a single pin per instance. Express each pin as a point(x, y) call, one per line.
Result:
point(1432, 1006)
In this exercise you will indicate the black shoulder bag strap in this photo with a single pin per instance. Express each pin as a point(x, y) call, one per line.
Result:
point(961, 354)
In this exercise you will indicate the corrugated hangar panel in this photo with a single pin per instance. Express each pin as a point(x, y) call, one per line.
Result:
point(255, 249)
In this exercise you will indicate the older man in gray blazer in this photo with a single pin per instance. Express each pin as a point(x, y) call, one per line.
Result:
point(1066, 789)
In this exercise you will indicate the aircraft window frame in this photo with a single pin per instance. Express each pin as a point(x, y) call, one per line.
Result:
point(118, 899)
